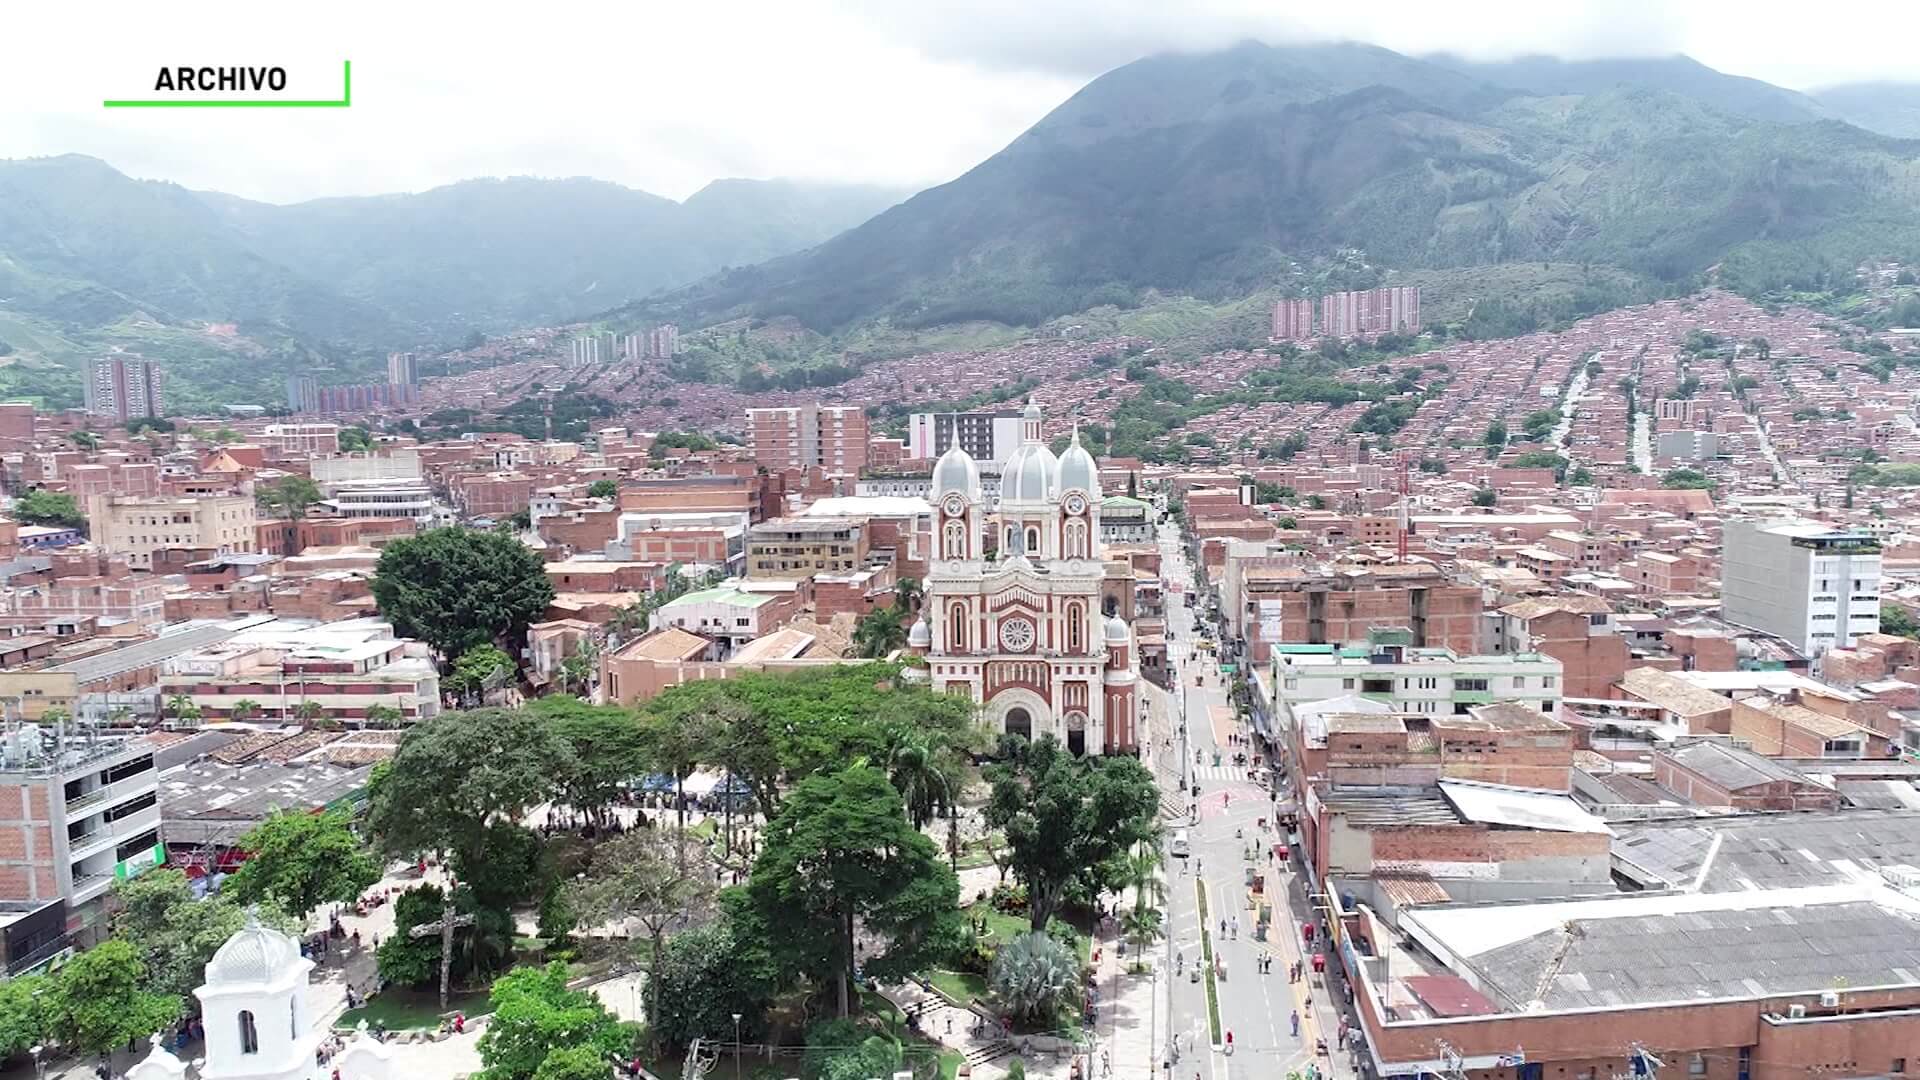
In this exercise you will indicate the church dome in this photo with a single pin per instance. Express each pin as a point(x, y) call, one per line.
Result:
point(1078, 470)
point(919, 637)
point(1030, 475)
point(955, 471)
point(256, 954)
point(1116, 631)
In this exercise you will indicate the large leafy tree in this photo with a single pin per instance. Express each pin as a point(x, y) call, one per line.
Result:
point(175, 932)
point(1068, 818)
point(23, 1013)
point(100, 1000)
point(477, 670)
point(841, 858)
point(457, 589)
point(301, 860)
point(706, 975)
point(656, 879)
point(454, 777)
point(288, 497)
point(53, 508)
point(535, 1016)
point(607, 749)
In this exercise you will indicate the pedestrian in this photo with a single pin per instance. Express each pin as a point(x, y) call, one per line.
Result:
point(1295, 1021)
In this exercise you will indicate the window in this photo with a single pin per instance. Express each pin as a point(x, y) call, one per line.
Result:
point(1346, 684)
point(1470, 684)
point(1697, 1065)
point(1546, 706)
point(1429, 682)
point(249, 1035)
point(1519, 682)
point(293, 1018)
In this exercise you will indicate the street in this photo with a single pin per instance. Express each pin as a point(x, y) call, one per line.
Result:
point(1228, 845)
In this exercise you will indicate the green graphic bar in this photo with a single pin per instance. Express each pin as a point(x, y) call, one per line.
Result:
point(346, 99)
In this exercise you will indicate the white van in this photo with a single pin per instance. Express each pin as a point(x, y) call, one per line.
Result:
point(1180, 848)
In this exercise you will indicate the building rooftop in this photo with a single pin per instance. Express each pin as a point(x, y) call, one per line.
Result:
point(724, 594)
point(1731, 768)
point(1519, 808)
point(1749, 852)
point(666, 645)
point(1649, 954)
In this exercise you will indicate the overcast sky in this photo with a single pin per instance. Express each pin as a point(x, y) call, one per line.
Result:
point(666, 96)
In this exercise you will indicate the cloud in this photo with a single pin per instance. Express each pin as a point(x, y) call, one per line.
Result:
point(667, 97)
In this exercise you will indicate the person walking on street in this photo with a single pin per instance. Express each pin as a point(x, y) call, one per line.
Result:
point(1295, 1021)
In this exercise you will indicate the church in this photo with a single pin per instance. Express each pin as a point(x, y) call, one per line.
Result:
point(1012, 614)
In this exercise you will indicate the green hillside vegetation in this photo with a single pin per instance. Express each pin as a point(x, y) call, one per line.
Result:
point(91, 259)
point(1312, 166)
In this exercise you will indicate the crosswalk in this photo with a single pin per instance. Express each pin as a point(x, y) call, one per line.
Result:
point(1204, 773)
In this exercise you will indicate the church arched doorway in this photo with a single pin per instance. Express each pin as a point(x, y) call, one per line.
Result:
point(1020, 722)
point(1077, 734)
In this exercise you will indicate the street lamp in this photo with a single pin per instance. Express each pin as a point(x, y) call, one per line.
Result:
point(736, 1046)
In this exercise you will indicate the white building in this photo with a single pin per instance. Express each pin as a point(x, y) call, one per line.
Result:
point(1431, 681)
point(259, 1022)
point(1022, 632)
point(1813, 584)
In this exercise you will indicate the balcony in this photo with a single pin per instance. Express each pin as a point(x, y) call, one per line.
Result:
point(92, 798)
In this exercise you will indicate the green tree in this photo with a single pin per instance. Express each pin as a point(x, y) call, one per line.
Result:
point(100, 1001)
point(452, 778)
point(650, 877)
point(1142, 925)
point(606, 749)
point(1067, 819)
point(535, 1016)
point(1896, 620)
point(908, 595)
point(1033, 976)
point(289, 497)
point(574, 1063)
point(1539, 459)
point(603, 489)
point(841, 857)
point(182, 708)
point(880, 633)
point(51, 508)
point(1496, 436)
point(1485, 497)
point(704, 976)
point(479, 669)
point(1580, 477)
point(244, 709)
point(1686, 478)
point(457, 589)
point(24, 1019)
point(177, 932)
point(927, 775)
point(300, 860)
point(384, 716)
point(355, 439)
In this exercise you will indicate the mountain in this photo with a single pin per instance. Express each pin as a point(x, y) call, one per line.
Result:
point(234, 293)
point(1215, 174)
point(501, 253)
point(1544, 76)
point(1888, 108)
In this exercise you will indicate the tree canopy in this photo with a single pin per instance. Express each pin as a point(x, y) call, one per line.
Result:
point(100, 1000)
point(457, 589)
point(289, 497)
point(1067, 818)
point(301, 860)
point(841, 857)
point(54, 508)
point(536, 1019)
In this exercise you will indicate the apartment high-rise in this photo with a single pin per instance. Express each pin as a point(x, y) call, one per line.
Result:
point(833, 437)
point(1808, 582)
point(402, 369)
point(987, 437)
point(1393, 310)
point(1293, 320)
point(125, 388)
point(663, 341)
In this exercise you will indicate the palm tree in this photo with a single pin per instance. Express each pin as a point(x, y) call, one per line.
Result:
point(245, 709)
point(880, 632)
point(183, 708)
point(922, 778)
point(309, 712)
point(384, 716)
point(1142, 924)
point(907, 595)
point(1142, 871)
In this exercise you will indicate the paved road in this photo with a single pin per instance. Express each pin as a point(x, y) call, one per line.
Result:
point(1257, 1008)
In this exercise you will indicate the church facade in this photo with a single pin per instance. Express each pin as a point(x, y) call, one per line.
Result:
point(1012, 616)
